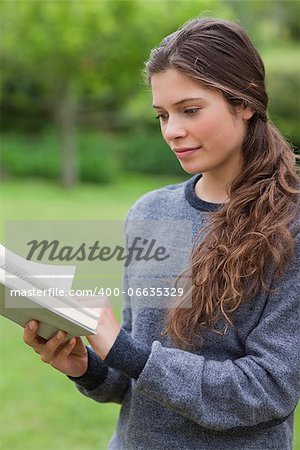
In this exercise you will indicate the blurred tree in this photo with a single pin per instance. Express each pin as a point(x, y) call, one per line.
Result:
point(267, 21)
point(72, 54)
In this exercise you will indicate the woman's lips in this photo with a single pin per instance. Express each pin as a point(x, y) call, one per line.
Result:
point(185, 152)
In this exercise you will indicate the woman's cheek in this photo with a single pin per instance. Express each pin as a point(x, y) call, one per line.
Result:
point(208, 127)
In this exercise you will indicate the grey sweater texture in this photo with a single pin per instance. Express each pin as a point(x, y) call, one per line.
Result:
point(237, 391)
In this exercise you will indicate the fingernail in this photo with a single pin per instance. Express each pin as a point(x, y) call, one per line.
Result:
point(59, 335)
point(31, 325)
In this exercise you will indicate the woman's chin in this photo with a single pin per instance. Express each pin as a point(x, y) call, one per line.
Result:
point(191, 168)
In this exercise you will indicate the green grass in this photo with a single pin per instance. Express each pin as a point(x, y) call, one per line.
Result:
point(40, 407)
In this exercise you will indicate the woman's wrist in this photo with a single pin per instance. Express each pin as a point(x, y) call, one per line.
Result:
point(95, 372)
point(128, 355)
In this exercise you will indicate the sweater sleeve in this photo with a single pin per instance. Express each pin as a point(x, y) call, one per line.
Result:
point(260, 389)
point(103, 383)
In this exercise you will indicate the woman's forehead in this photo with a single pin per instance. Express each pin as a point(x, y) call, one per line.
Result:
point(172, 87)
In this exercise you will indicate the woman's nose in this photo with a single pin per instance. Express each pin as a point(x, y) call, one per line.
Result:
point(174, 129)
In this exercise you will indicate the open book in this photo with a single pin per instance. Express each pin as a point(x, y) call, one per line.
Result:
point(22, 283)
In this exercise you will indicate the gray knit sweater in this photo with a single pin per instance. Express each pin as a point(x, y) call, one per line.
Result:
point(238, 391)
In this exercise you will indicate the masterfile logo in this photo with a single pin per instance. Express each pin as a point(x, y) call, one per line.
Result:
point(140, 249)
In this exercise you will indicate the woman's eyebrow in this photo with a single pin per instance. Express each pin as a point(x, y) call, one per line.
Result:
point(181, 101)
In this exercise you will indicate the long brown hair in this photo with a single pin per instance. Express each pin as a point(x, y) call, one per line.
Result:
point(253, 230)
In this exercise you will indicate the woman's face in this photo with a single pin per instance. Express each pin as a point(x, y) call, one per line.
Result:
point(198, 125)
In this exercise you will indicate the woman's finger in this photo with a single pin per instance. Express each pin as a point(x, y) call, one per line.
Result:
point(50, 347)
point(64, 352)
point(30, 337)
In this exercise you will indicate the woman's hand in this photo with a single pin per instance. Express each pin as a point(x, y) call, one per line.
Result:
point(68, 357)
point(107, 330)
point(71, 357)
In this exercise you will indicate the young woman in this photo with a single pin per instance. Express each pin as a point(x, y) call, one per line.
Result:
point(220, 372)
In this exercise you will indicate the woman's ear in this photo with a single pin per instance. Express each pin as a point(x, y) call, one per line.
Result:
point(246, 113)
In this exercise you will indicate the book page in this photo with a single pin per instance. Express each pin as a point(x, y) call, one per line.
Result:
point(18, 273)
point(40, 275)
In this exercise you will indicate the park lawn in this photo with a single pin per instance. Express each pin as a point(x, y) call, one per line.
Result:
point(40, 407)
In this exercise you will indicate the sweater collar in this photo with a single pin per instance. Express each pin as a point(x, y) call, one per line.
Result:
point(194, 200)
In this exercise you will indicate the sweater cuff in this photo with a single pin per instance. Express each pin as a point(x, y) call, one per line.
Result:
point(95, 374)
point(128, 355)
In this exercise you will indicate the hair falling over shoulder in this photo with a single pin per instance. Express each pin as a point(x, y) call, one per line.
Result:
point(255, 229)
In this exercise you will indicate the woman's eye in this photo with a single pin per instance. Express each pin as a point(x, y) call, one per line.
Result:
point(162, 117)
point(191, 111)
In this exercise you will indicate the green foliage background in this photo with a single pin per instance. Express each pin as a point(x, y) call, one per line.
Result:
point(71, 75)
